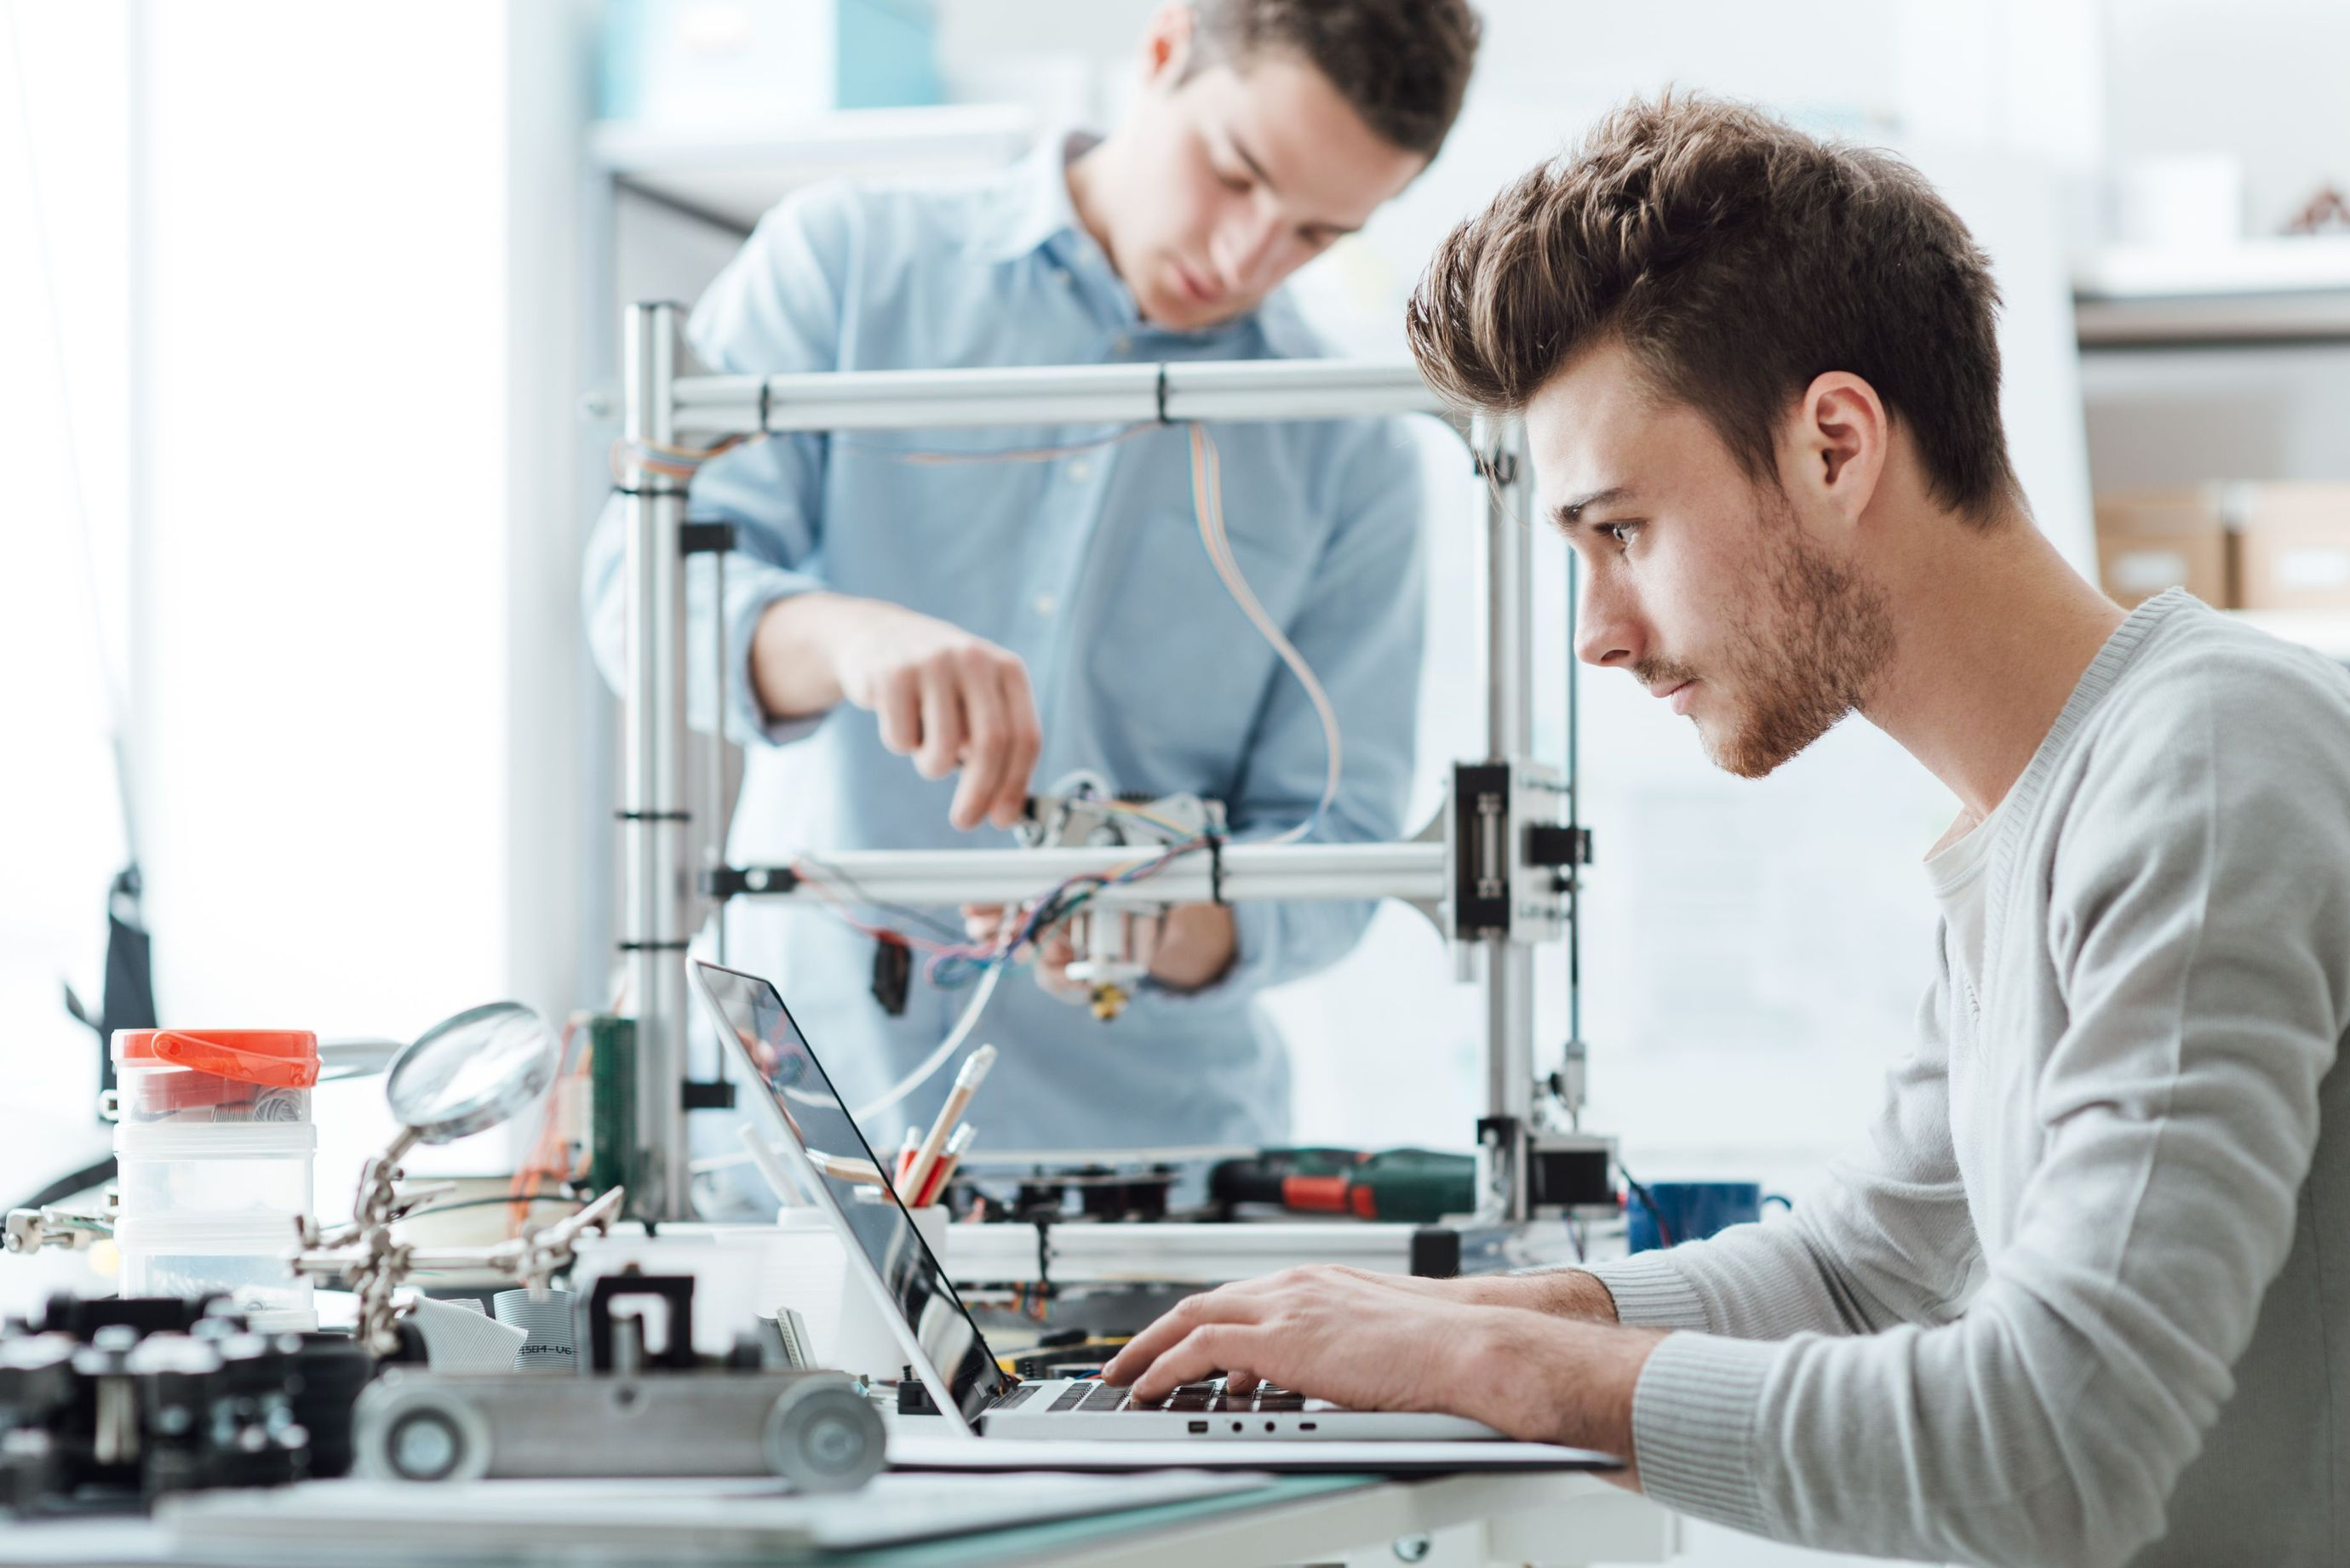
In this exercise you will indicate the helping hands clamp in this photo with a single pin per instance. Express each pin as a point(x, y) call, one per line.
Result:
point(364, 1253)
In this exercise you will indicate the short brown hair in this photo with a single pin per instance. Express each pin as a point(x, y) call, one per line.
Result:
point(1736, 259)
point(1402, 65)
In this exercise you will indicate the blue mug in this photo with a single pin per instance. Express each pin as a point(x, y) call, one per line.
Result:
point(1666, 1213)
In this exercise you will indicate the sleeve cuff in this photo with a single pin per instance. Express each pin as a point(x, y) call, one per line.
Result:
point(1256, 934)
point(1650, 1292)
point(751, 588)
point(1694, 1415)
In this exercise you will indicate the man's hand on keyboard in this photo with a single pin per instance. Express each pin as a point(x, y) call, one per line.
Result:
point(1371, 1341)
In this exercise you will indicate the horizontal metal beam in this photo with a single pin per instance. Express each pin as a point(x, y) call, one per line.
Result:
point(1175, 392)
point(1184, 1252)
point(1248, 873)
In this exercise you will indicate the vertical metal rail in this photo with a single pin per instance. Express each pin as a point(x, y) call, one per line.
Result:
point(1509, 970)
point(657, 900)
point(714, 799)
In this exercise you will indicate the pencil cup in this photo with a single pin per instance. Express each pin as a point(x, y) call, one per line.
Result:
point(931, 1219)
point(861, 1338)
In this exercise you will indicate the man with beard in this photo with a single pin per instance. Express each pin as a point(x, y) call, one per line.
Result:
point(2072, 1301)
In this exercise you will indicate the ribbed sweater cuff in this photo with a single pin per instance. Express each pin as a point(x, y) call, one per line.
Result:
point(1693, 1420)
point(1650, 1292)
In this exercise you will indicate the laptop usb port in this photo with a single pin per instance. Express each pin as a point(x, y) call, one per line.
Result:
point(1196, 1426)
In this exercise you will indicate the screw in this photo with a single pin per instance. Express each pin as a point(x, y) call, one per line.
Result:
point(1413, 1548)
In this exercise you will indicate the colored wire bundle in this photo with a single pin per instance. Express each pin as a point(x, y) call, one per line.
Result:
point(551, 1157)
point(1058, 905)
point(669, 462)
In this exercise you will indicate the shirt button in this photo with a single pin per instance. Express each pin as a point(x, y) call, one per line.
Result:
point(1124, 344)
point(1078, 470)
point(1046, 604)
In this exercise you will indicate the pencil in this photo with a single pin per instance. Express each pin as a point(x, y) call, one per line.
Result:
point(966, 1083)
point(858, 1170)
point(937, 1187)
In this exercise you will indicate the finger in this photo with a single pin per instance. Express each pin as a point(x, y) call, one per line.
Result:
point(1056, 984)
point(1224, 1303)
point(1025, 740)
point(1239, 1380)
point(900, 709)
point(941, 725)
point(981, 921)
point(1199, 1354)
point(1169, 1328)
point(1054, 954)
point(985, 751)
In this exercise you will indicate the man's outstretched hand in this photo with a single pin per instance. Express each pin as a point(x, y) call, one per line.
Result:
point(946, 699)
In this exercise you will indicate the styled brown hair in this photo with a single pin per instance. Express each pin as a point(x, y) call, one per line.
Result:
point(1402, 65)
point(1736, 259)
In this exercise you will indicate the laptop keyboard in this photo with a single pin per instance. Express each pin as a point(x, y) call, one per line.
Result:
point(1193, 1398)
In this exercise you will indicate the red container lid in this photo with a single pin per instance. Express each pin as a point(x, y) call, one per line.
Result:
point(278, 1058)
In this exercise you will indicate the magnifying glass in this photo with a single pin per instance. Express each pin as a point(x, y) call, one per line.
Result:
point(469, 1073)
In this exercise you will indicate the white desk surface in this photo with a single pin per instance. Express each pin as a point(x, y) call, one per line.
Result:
point(1555, 1520)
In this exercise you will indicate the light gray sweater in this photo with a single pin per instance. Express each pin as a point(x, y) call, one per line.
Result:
point(2084, 1296)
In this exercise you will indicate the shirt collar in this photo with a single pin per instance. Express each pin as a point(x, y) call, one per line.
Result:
point(1035, 205)
point(1036, 214)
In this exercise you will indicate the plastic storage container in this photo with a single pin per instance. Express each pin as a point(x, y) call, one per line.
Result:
point(241, 1257)
point(216, 1150)
point(256, 1169)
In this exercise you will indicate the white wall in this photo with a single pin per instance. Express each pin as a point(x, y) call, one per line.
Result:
point(64, 195)
point(552, 717)
point(325, 672)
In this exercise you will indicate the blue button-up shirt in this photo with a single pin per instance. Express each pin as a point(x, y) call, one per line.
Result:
point(1088, 565)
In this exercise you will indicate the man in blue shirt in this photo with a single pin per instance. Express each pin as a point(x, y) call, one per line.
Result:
point(925, 626)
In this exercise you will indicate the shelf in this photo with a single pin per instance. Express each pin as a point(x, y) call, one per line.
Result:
point(730, 176)
point(2327, 631)
point(2266, 290)
point(2291, 266)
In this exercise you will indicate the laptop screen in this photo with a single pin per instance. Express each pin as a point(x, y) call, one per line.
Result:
point(765, 1045)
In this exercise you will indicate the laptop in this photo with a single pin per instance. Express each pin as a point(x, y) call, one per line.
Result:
point(796, 1105)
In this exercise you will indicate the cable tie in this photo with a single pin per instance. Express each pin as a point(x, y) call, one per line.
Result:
point(764, 395)
point(1162, 392)
point(657, 494)
point(1215, 867)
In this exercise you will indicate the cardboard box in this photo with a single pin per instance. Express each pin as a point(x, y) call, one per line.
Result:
point(2149, 540)
point(2292, 546)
